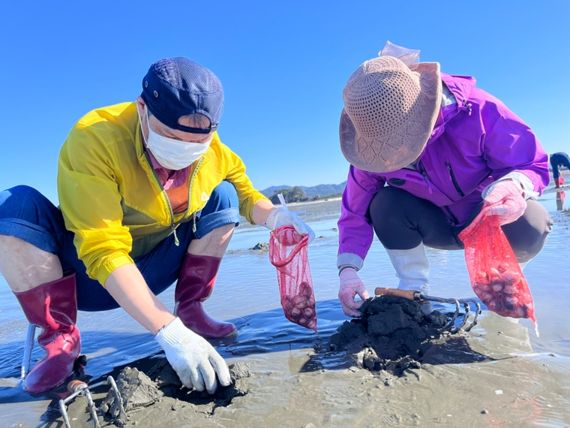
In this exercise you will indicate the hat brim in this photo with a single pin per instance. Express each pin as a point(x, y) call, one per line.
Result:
point(404, 145)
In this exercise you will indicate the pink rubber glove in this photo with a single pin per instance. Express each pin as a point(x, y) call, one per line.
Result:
point(350, 286)
point(505, 199)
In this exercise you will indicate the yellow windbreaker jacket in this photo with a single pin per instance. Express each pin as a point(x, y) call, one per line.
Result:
point(111, 199)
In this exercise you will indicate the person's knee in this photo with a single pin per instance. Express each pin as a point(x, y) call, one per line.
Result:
point(224, 196)
point(528, 234)
point(387, 212)
point(17, 198)
point(386, 202)
point(221, 209)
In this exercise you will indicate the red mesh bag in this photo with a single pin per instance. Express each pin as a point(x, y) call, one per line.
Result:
point(288, 253)
point(494, 271)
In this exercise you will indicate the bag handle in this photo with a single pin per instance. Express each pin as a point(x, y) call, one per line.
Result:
point(300, 245)
point(477, 221)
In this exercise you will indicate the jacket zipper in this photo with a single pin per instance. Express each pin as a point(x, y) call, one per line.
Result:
point(454, 180)
point(173, 225)
point(445, 208)
point(425, 176)
point(190, 193)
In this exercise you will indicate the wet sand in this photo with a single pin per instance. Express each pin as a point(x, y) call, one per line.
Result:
point(489, 377)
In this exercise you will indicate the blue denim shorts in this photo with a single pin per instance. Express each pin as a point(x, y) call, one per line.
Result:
point(28, 215)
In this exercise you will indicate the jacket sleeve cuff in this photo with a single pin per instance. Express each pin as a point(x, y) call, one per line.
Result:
point(171, 334)
point(349, 259)
point(109, 265)
point(519, 177)
point(246, 208)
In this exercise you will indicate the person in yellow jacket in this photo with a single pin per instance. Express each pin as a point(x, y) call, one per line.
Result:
point(149, 195)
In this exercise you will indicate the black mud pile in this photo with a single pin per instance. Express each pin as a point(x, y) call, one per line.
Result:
point(138, 389)
point(392, 334)
point(168, 381)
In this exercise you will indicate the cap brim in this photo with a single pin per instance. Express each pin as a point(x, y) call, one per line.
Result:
point(405, 145)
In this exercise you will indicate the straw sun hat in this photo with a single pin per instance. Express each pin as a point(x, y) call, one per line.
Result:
point(389, 113)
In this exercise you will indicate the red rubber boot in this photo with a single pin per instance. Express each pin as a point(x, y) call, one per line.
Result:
point(53, 307)
point(195, 284)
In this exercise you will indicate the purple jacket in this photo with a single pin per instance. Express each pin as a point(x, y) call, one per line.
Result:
point(474, 142)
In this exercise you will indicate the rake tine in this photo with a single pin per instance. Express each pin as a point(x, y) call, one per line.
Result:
point(464, 316)
point(477, 313)
point(451, 322)
point(92, 408)
point(76, 388)
point(63, 412)
point(28, 348)
point(111, 381)
point(464, 320)
point(467, 308)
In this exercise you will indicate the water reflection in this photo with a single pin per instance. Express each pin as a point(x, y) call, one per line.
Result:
point(560, 198)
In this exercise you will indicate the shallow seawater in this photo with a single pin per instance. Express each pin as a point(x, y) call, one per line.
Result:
point(247, 293)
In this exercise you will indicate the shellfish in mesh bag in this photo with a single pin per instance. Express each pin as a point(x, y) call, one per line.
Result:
point(288, 252)
point(496, 277)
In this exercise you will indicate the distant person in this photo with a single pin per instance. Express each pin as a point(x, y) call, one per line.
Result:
point(556, 161)
point(149, 195)
point(427, 151)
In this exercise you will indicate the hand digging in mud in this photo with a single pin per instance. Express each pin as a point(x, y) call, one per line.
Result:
point(195, 361)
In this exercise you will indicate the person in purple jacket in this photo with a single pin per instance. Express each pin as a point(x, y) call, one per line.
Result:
point(427, 151)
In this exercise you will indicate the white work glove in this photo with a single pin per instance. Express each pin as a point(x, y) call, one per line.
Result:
point(194, 360)
point(282, 216)
point(350, 286)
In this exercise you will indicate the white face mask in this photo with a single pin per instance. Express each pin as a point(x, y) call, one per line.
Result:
point(172, 153)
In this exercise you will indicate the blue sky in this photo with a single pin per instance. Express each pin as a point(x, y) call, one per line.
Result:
point(283, 66)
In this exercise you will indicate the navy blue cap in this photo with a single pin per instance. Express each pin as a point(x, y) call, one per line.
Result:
point(174, 87)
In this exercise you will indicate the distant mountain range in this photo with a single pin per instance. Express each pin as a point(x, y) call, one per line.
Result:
point(319, 191)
